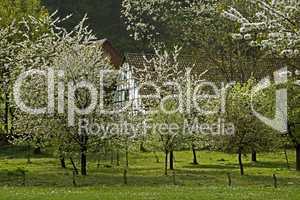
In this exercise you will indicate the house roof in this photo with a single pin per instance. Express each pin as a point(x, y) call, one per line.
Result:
point(217, 69)
point(137, 62)
point(116, 58)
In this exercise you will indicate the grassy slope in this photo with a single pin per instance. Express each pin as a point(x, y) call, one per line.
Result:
point(45, 180)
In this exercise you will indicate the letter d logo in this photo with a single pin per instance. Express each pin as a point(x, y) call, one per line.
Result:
point(278, 123)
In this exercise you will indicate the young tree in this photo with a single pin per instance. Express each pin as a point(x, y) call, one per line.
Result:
point(250, 134)
point(81, 59)
point(72, 58)
point(161, 71)
point(292, 118)
point(8, 48)
point(167, 129)
point(171, 79)
point(11, 14)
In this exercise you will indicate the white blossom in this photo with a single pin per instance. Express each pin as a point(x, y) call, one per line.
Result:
point(276, 20)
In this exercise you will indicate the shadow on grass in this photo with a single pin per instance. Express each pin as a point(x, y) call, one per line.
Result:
point(210, 166)
point(13, 152)
point(259, 164)
point(268, 164)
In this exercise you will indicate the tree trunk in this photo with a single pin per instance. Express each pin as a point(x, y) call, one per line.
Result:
point(98, 162)
point(253, 156)
point(195, 162)
point(74, 166)
point(37, 151)
point(83, 161)
point(28, 154)
point(298, 157)
point(111, 157)
point(241, 162)
point(126, 158)
point(171, 160)
point(106, 152)
point(6, 112)
point(125, 176)
point(286, 157)
point(4, 138)
point(62, 162)
point(61, 157)
point(118, 158)
point(83, 157)
point(7, 109)
point(142, 148)
point(166, 162)
point(126, 154)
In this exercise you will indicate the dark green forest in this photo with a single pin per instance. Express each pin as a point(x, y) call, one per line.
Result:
point(104, 18)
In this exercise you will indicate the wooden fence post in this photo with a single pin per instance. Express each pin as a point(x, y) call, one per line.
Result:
point(174, 177)
point(275, 180)
point(74, 178)
point(229, 179)
point(125, 175)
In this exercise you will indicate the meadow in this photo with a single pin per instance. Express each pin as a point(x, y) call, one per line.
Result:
point(45, 179)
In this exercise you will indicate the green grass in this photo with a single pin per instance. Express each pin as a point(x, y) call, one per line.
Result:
point(46, 180)
point(162, 192)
